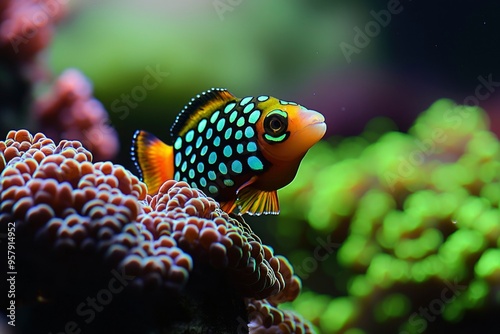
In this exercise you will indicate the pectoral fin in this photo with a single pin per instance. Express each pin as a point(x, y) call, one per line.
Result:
point(228, 206)
point(255, 201)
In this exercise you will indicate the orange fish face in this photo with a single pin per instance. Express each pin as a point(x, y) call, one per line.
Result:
point(287, 130)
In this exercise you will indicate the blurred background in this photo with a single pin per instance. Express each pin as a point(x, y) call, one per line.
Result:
point(371, 67)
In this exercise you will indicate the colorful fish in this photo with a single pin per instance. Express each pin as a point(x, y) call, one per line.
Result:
point(238, 151)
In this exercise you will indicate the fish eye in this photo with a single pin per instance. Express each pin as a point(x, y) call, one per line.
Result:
point(275, 125)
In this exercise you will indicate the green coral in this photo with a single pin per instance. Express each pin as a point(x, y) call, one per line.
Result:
point(417, 220)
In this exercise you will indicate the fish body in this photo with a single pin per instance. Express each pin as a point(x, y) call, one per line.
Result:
point(238, 151)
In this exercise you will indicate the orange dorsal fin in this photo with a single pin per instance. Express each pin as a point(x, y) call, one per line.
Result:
point(255, 201)
point(154, 159)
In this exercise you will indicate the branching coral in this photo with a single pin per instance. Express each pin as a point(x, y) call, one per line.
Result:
point(78, 221)
point(416, 221)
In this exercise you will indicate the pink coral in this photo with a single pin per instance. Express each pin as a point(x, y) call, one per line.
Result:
point(70, 111)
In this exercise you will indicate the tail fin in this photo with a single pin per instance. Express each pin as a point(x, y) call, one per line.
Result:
point(153, 158)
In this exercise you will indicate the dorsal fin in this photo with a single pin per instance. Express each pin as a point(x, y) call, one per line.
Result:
point(201, 106)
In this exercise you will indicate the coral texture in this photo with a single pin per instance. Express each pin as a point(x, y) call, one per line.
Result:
point(76, 221)
point(413, 223)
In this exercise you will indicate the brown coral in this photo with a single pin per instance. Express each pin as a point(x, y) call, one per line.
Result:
point(68, 209)
point(68, 203)
point(212, 237)
point(266, 318)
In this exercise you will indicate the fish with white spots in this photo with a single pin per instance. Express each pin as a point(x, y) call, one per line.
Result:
point(238, 151)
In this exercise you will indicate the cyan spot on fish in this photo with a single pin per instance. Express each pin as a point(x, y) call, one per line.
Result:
point(229, 107)
point(248, 108)
point(199, 141)
point(238, 135)
point(212, 158)
point(221, 124)
point(263, 98)
point(203, 181)
point(178, 159)
point(254, 116)
point(228, 133)
point(209, 133)
point(223, 168)
point(252, 147)
point(233, 116)
point(190, 136)
point(241, 121)
point(245, 100)
point(200, 167)
point(249, 132)
point(214, 117)
point(178, 143)
point(255, 163)
point(213, 190)
point(204, 150)
point(228, 151)
point(217, 141)
point(202, 125)
point(237, 167)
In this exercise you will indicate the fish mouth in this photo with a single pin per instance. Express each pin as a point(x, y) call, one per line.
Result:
point(313, 117)
point(315, 124)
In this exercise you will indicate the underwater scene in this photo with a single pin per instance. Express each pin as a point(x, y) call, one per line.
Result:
point(249, 166)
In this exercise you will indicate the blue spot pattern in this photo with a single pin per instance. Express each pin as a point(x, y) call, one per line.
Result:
point(221, 148)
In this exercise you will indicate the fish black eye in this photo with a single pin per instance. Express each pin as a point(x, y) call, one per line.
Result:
point(275, 125)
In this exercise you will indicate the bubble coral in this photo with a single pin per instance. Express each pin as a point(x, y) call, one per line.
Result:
point(417, 217)
point(80, 225)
